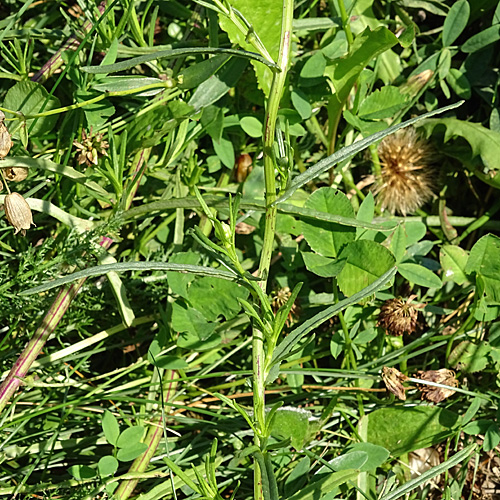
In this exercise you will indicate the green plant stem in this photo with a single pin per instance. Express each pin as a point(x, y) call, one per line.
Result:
point(152, 440)
point(258, 352)
point(345, 23)
point(104, 95)
point(350, 357)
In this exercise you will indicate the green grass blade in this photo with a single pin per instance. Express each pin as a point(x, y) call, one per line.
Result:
point(426, 476)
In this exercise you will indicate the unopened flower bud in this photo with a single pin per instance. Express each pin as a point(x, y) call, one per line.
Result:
point(416, 82)
point(18, 212)
point(16, 174)
point(243, 167)
point(5, 141)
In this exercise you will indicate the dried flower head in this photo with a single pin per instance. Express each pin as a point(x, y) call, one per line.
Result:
point(406, 181)
point(15, 174)
point(18, 212)
point(442, 376)
point(398, 316)
point(393, 380)
point(5, 140)
point(91, 148)
point(280, 298)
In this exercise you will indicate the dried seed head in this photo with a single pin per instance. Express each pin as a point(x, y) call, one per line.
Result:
point(393, 380)
point(91, 148)
point(398, 316)
point(279, 299)
point(16, 174)
point(18, 212)
point(442, 376)
point(5, 140)
point(407, 179)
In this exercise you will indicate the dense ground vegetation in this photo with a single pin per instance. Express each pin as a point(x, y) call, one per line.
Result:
point(249, 249)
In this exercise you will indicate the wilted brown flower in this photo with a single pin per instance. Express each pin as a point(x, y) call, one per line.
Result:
point(5, 140)
point(442, 376)
point(398, 316)
point(406, 181)
point(15, 174)
point(91, 148)
point(393, 380)
point(18, 212)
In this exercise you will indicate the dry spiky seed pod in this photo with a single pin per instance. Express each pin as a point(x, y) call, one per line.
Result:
point(16, 174)
point(5, 140)
point(407, 180)
point(18, 212)
point(92, 147)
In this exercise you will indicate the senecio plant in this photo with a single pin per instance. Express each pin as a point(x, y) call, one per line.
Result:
point(356, 254)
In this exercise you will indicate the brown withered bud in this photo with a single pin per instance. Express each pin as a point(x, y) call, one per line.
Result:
point(18, 212)
point(5, 140)
point(243, 167)
point(437, 394)
point(244, 228)
point(393, 380)
point(15, 174)
point(398, 316)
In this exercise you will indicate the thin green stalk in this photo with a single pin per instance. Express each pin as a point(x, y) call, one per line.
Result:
point(152, 440)
point(101, 97)
point(258, 352)
point(345, 23)
point(350, 357)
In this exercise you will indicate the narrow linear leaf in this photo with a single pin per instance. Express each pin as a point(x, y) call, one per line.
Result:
point(295, 335)
point(132, 266)
point(349, 151)
point(48, 208)
point(426, 476)
point(169, 54)
point(219, 202)
point(119, 291)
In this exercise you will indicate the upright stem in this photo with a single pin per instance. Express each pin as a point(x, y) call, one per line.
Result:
point(273, 102)
point(345, 23)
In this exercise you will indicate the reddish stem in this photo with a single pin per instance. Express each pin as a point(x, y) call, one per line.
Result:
point(56, 61)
